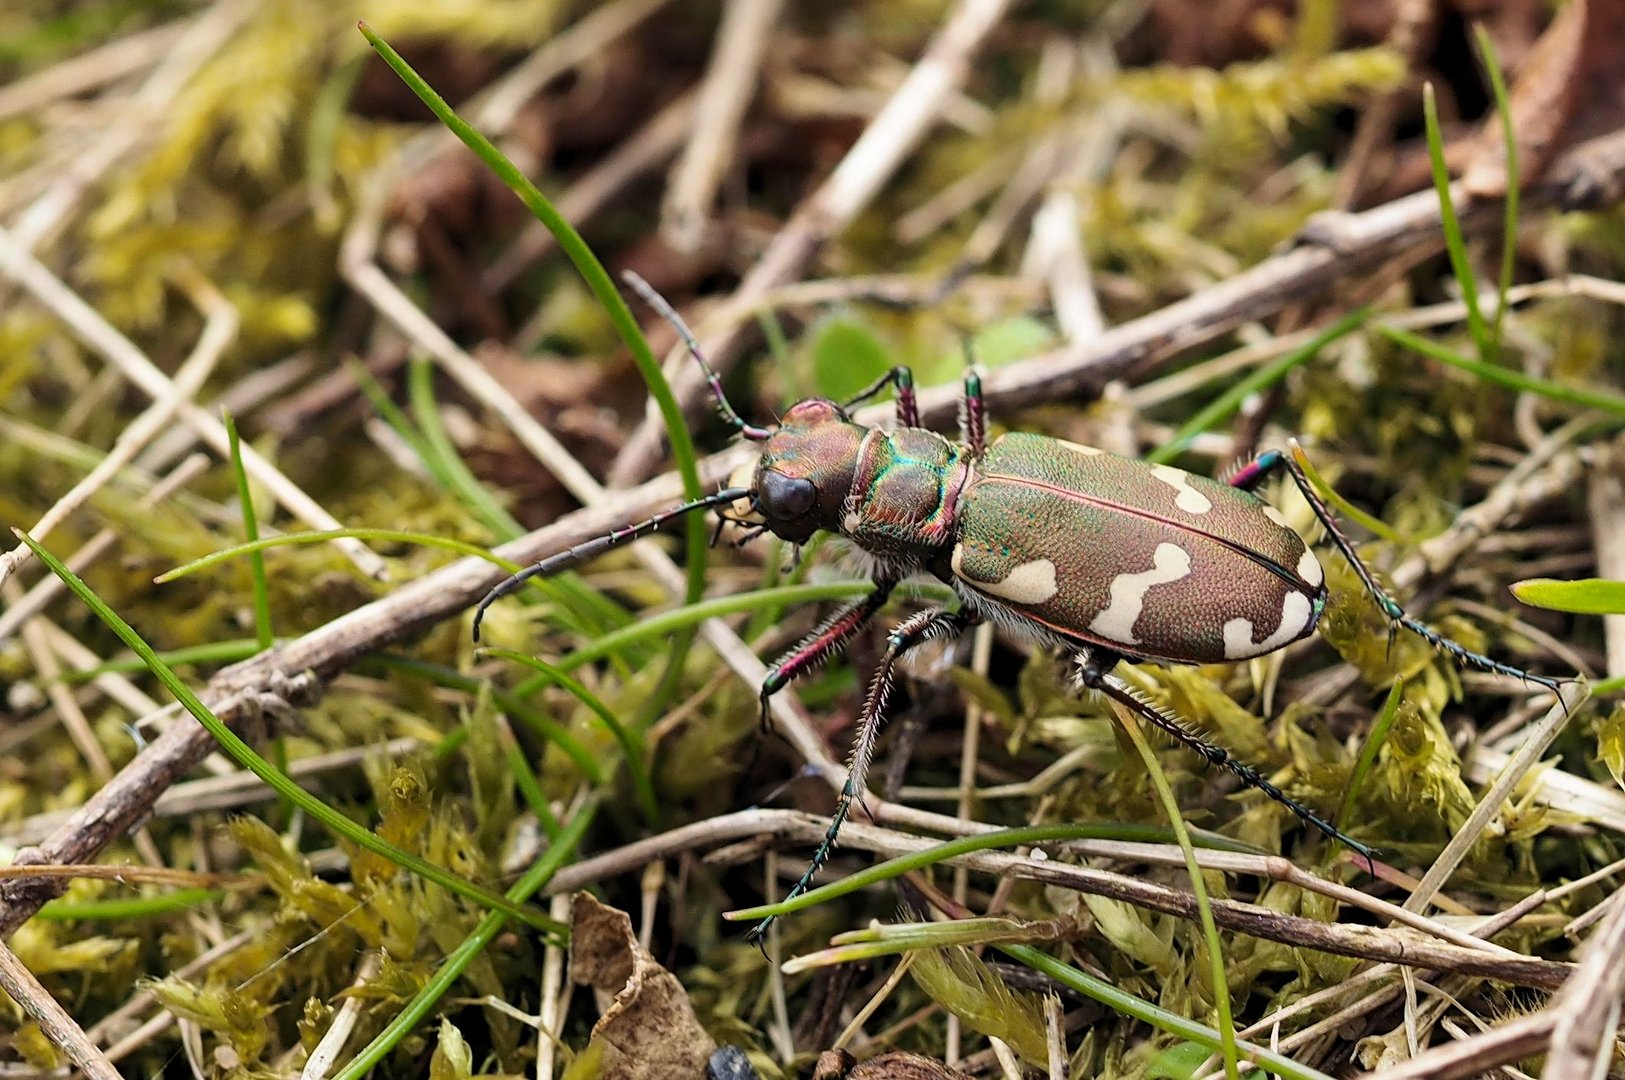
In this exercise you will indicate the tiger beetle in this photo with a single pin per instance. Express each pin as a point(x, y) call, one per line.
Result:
point(1105, 557)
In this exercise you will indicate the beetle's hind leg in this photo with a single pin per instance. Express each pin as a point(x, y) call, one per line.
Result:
point(1273, 461)
point(909, 634)
point(827, 639)
point(1095, 672)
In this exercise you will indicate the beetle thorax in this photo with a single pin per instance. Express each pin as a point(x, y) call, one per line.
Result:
point(904, 501)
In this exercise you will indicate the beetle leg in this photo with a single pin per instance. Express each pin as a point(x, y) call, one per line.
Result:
point(1272, 461)
point(973, 414)
point(912, 632)
point(900, 378)
point(825, 641)
point(1095, 672)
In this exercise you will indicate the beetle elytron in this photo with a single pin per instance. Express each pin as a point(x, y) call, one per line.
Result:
point(1106, 557)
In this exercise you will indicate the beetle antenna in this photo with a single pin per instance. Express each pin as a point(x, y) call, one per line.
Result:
point(566, 559)
point(667, 312)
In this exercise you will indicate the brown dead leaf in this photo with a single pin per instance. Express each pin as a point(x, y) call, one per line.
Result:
point(1571, 86)
point(649, 1032)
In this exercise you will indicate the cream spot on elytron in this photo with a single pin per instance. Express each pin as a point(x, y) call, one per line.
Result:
point(1169, 562)
point(1309, 568)
point(1080, 448)
point(1276, 516)
point(1295, 616)
point(1186, 497)
point(1029, 583)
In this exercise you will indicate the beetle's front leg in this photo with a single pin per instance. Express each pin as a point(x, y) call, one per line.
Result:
point(900, 378)
point(825, 641)
point(912, 632)
point(1274, 461)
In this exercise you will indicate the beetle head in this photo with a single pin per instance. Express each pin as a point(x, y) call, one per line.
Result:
point(800, 483)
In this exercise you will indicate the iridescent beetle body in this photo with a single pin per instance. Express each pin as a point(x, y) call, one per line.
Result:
point(1106, 557)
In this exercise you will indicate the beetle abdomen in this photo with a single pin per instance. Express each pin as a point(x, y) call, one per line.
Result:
point(1144, 560)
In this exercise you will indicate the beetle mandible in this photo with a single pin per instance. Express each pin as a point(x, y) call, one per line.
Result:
point(1105, 557)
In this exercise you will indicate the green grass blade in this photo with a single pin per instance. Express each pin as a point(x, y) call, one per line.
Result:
point(576, 601)
point(1204, 908)
point(398, 421)
point(1372, 524)
point(524, 778)
point(215, 652)
point(453, 679)
point(396, 535)
point(457, 962)
point(630, 742)
point(447, 462)
point(137, 907)
point(1512, 380)
point(251, 529)
point(614, 305)
point(1455, 242)
point(1226, 405)
point(669, 622)
point(1373, 743)
point(240, 752)
point(1509, 140)
point(964, 845)
point(1159, 1018)
point(1586, 596)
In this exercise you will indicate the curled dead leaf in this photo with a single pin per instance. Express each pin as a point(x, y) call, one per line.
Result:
point(649, 1031)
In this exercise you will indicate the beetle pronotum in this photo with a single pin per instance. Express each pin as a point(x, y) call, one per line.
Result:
point(1106, 557)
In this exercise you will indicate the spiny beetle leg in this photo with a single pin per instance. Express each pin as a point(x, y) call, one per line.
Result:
point(825, 641)
point(973, 419)
point(1272, 461)
point(912, 632)
point(900, 378)
point(1094, 671)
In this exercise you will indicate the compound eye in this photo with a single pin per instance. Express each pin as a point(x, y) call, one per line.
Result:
point(786, 498)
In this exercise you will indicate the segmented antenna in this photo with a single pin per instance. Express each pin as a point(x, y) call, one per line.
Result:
point(667, 312)
point(566, 559)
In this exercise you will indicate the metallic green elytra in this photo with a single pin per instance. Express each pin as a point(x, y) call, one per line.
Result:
point(1105, 557)
point(1144, 560)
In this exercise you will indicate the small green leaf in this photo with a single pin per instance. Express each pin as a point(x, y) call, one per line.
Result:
point(1012, 339)
point(847, 356)
point(1588, 596)
point(1179, 1062)
point(1611, 743)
